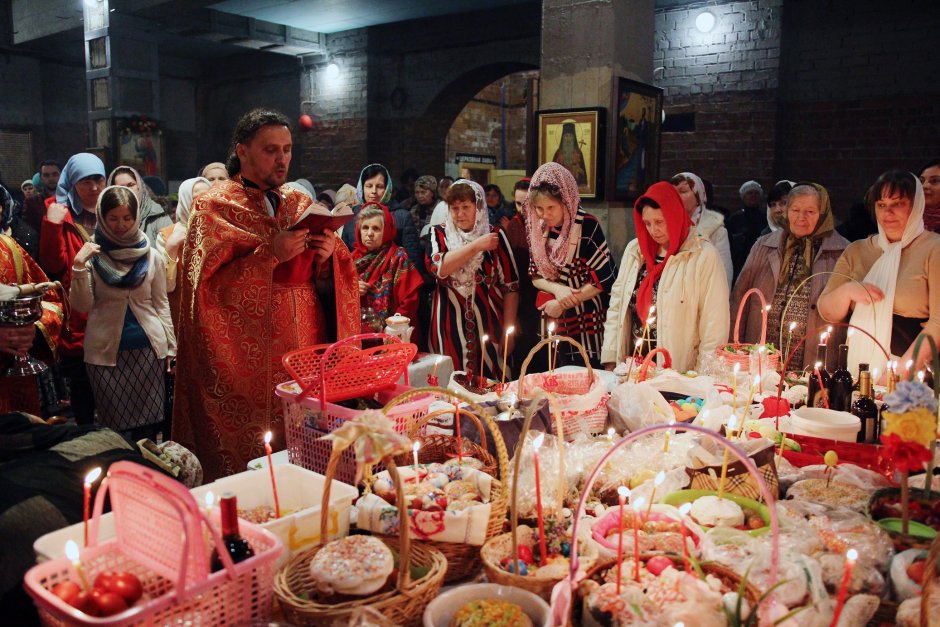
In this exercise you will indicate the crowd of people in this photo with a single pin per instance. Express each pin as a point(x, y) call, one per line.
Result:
point(216, 291)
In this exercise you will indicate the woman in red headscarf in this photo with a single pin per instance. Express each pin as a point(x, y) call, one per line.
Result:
point(388, 281)
point(679, 273)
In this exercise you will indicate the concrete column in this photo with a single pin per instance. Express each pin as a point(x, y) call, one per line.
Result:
point(586, 45)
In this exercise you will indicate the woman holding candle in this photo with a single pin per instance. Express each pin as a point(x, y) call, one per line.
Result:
point(672, 268)
point(477, 283)
point(570, 261)
point(780, 261)
point(388, 281)
point(900, 272)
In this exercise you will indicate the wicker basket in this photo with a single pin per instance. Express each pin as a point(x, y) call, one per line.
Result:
point(495, 549)
point(743, 359)
point(930, 585)
point(569, 390)
point(643, 373)
point(440, 447)
point(903, 541)
point(463, 560)
point(403, 605)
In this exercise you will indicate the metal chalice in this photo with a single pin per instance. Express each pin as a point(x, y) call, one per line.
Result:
point(21, 312)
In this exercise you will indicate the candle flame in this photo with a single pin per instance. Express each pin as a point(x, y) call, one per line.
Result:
point(623, 491)
point(537, 442)
point(910, 362)
point(762, 348)
point(210, 499)
point(818, 364)
point(652, 310)
point(737, 368)
point(829, 329)
point(638, 503)
point(874, 374)
point(610, 433)
point(551, 327)
point(920, 376)
point(510, 330)
point(851, 332)
point(792, 326)
point(732, 422)
point(92, 476)
point(823, 336)
point(439, 360)
point(415, 446)
point(660, 477)
point(267, 437)
point(685, 509)
point(766, 307)
point(71, 551)
point(851, 555)
point(672, 421)
point(485, 338)
point(757, 380)
point(650, 320)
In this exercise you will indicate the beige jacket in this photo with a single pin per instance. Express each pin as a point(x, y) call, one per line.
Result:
point(106, 306)
point(711, 226)
point(691, 305)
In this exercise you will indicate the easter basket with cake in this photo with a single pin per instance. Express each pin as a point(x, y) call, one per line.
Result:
point(396, 577)
point(454, 504)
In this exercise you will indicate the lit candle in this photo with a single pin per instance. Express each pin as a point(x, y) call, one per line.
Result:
point(672, 421)
point(822, 389)
point(551, 332)
point(509, 332)
point(850, 557)
point(755, 385)
point(414, 450)
point(684, 511)
point(660, 477)
point(789, 343)
point(483, 341)
point(908, 365)
point(536, 445)
point(724, 463)
point(459, 435)
point(637, 506)
point(267, 450)
point(71, 552)
point(555, 359)
point(432, 378)
point(734, 388)
point(610, 436)
point(760, 362)
point(920, 376)
point(90, 478)
point(823, 337)
point(622, 492)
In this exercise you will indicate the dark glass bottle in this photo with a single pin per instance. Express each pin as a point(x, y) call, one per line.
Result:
point(818, 383)
point(891, 384)
point(866, 411)
point(840, 384)
point(236, 546)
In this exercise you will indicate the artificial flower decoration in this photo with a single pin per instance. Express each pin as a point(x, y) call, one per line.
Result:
point(372, 437)
point(906, 456)
point(913, 413)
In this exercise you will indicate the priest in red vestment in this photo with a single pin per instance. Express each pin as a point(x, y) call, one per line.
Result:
point(248, 295)
point(22, 393)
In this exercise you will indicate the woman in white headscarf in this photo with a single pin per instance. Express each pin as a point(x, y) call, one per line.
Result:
point(709, 224)
point(896, 292)
point(172, 243)
point(477, 284)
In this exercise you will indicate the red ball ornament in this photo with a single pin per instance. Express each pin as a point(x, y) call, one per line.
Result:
point(306, 122)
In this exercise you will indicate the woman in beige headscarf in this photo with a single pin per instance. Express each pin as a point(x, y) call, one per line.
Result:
point(709, 224)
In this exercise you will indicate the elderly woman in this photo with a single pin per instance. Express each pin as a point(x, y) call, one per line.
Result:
point(781, 261)
point(477, 288)
point(152, 216)
point(570, 261)
point(427, 203)
point(709, 224)
point(388, 281)
point(671, 267)
point(896, 292)
point(777, 206)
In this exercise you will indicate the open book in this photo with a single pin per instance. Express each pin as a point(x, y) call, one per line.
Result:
point(317, 217)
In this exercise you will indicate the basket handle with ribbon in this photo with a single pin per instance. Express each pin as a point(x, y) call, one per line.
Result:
point(138, 491)
point(589, 380)
point(563, 594)
point(648, 360)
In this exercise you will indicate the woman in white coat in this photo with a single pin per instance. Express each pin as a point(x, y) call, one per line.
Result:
point(670, 267)
point(709, 224)
point(121, 282)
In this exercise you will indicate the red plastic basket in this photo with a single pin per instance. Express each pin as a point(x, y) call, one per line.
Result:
point(341, 371)
point(307, 420)
point(160, 539)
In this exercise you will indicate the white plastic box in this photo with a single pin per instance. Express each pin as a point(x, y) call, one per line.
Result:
point(300, 492)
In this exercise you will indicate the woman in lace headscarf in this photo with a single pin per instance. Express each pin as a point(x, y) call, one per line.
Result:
point(477, 284)
point(570, 262)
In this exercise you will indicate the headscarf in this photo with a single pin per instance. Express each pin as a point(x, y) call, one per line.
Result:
point(748, 186)
point(394, 282)
point(346, 194)
point(142, 188)
point(330, 194)
point(300, 187)
point(699, 189)
point(37, 181)
point(678, 225)
point(803, 246)
point(388, 234)
point(877, 317)
point(549, 257)
point(464, 278)
point(125, 259)
point(360, 193)
point(184, 196)
point(427, 182)
point(25, 183)
point(308, 186)
point(79, 166)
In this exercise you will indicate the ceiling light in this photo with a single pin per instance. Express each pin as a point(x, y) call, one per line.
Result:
point(705, 21)
point(332, 71)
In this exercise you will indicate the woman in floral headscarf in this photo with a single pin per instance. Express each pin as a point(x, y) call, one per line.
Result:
point(780, 261)
point(570, 262)
point(388, 281)
point(477, 283)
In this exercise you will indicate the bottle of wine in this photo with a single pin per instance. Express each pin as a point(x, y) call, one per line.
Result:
point(891, 384)
point(818, 392)
point(840, 384)
point(237, 547)
point(866, 411)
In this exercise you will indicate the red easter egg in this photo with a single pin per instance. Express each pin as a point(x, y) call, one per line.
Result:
point(775, 406)
point(306, 122)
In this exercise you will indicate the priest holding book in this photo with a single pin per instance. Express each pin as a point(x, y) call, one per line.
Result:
point(249, 284)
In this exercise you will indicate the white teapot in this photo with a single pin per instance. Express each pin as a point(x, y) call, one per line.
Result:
point(398, 326)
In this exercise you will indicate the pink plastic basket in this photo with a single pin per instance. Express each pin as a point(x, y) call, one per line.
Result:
point(307, 419)
point(160, 539)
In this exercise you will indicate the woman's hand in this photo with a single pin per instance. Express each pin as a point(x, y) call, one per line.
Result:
point(288, 244)
point(572, 300)
point(84, 254)
point(490, 241)
point(56, 212)
point(363, 288)
point(553, 309)
point(866, 293)
point(323, 245)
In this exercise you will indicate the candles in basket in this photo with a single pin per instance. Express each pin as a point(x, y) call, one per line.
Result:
point(851, 556)
point(729, 433)
point(90, 478)
point(414, 449)
point(71, 552)
point(509, 331)
point(637, 507)
point(267, 450)
point(660, 477)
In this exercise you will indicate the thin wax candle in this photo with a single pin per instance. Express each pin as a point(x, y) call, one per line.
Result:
point(850, 558)
point(637, 506)
point(90, 478)
point(622, 492)
point(267, 450)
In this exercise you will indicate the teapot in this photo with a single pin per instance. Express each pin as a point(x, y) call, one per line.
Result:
point(398, 326)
